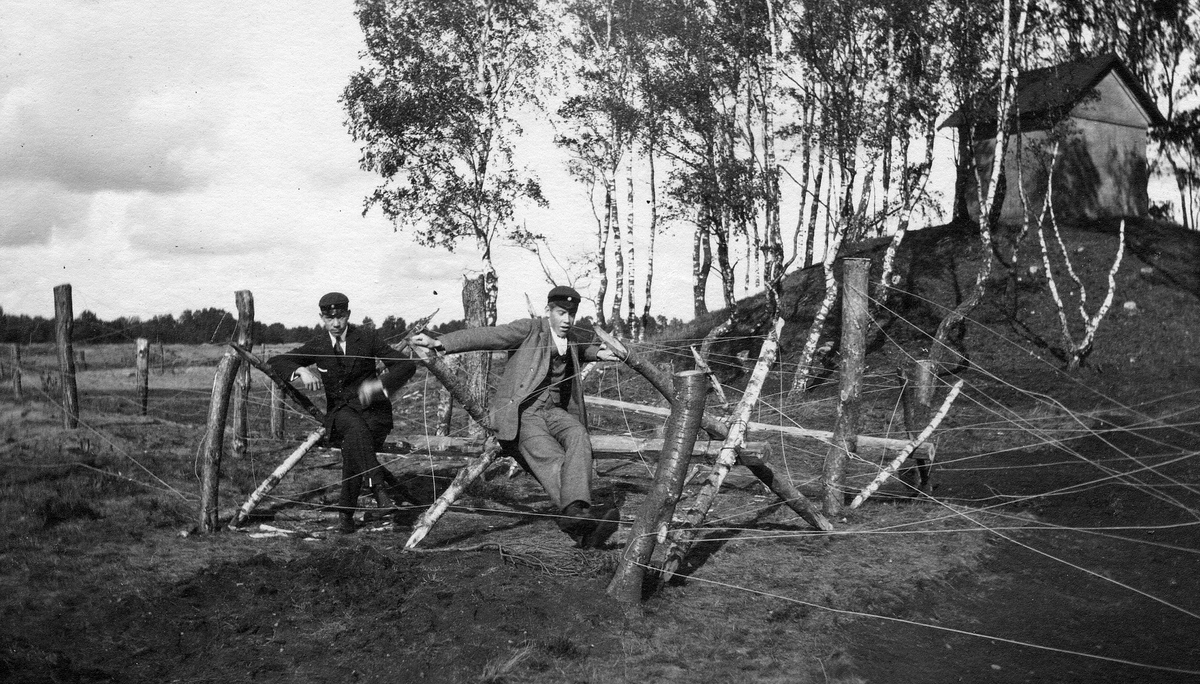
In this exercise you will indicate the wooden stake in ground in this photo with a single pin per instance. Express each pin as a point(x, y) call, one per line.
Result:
point(780, 486)
point(244, 338)
point(214, 440)
point(684, 538)
point(275, 477)
point(142, 356)
point(916, 398)
point(896, 463)
point(278, 417)
point(64, 326)
point(855, 277)
point(659, 506)
point(15, 354)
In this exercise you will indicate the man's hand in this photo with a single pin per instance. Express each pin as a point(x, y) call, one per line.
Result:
point(424, 340)
point(309, 379)
point(370, 390)
point(606, 354)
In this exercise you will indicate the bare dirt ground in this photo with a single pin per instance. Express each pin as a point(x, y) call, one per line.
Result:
point(1059, 544)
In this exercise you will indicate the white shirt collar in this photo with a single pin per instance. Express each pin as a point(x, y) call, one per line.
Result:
point(560, 343)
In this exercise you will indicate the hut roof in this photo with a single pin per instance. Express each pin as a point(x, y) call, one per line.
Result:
point(1046, 95)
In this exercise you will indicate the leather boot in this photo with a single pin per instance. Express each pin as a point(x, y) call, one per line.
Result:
point(346, 522)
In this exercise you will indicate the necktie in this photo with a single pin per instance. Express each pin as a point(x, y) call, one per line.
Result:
point(337, 346)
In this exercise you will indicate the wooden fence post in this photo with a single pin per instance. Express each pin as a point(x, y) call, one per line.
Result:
point(15, 354)
point(214, 439)
point(278, 417)
point(143, 372)
point(64, 326)
point(659, 506)
point(855, 277)
point(244, 338)
point(917, 401)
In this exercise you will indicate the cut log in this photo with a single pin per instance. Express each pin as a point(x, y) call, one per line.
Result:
point(274, 478)
point(684, 538)
point(659, 506)
point(874, 446)
point(475, 468)
point(899, 460)
point(855, 277)
point(295, 394)
point(780, 486)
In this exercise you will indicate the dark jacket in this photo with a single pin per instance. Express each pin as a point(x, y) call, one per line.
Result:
point(528, 340)
point(341, 374)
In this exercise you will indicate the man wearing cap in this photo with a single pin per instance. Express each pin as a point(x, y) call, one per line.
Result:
point(538, 404)
point(358, 414)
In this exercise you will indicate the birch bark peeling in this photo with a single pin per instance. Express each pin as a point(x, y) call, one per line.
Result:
point(780, 486)
point(684, 538)
point(275, 477)
point(894, 466)
point(475, 467)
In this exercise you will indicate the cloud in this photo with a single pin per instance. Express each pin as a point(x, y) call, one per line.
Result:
point(31, 210)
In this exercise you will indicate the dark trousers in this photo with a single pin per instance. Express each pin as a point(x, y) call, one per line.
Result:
point(360, 439)
point(557, 450)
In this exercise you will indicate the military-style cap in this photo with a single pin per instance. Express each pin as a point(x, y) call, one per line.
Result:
point(334, 302)
point(564, 296)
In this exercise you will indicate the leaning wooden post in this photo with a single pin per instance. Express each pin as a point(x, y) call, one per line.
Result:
point(244, 338)
point(15, 354)
point(280, 382)
point(64, 326)
point(475, 467)
point(715, 427)
point(855, 276)
point(275, 477)
point(142, 357)
point(659, 506)
point(907, 451)
point(214, 439)
point(684, 538)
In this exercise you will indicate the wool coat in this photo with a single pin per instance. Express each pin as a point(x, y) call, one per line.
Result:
point(341, 374)
point(529, 343)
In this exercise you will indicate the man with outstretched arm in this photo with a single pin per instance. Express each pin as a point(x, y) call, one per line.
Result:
point(358, 413)
point(538, 404)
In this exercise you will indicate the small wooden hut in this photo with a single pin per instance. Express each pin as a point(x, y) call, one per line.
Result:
point(1097, 113)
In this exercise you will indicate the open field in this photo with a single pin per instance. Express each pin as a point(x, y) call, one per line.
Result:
point(1059, 544)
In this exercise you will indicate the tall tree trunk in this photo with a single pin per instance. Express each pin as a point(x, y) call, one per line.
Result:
point(615, 316)
point(602, 253)
point(630, 265)
point(646, 318)
point(814, 211)
point(701, 263)
point(476, 364)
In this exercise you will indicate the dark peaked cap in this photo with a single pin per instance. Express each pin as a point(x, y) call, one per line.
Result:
point(565, 296)
point(334, 301)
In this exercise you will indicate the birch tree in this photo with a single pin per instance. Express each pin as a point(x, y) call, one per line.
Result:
point(433, 112)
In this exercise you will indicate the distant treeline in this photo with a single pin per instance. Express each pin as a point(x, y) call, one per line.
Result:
point(191, 327)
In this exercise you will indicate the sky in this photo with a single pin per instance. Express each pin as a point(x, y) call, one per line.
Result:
point(159, 157)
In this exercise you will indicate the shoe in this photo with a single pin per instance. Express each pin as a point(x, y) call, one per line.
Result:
point(607, 519)
point(346, 523)
point(575, 521)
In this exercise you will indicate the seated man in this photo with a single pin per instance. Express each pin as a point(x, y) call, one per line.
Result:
point(539, 404)
point(358, 414)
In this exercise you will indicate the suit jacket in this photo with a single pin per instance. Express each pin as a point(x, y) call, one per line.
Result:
point(341, 374)
point(528, 340)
